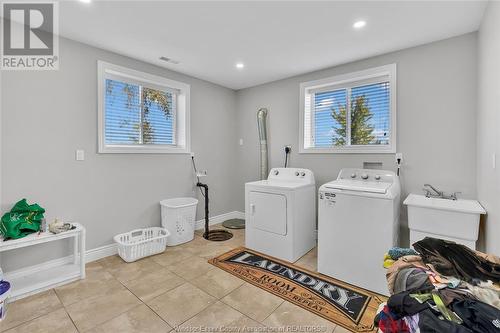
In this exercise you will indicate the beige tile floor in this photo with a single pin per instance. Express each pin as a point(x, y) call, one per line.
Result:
point(175, 290)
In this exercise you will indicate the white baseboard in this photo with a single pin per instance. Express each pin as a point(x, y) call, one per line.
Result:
point(101, 252)
point(200, 224)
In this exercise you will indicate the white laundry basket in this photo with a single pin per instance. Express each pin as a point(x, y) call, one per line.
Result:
point(178, 216)
point(141, 243)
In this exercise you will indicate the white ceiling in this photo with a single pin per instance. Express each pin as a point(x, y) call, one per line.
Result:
point(275, 40)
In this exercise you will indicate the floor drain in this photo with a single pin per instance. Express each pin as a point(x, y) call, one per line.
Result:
point(218, 235)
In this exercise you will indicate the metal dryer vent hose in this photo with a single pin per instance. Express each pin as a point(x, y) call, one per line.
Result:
point(261, 122)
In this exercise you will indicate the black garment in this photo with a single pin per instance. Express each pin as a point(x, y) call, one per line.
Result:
point(478, 316)
point(449, 295)
point(452, 259)
point(403, 305)
point(429, 322)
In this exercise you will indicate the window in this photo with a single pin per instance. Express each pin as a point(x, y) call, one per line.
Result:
point(353, 113)
point(141, 113)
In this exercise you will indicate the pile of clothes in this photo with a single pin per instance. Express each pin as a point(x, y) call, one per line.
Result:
point(4, 294)
point(440, 287)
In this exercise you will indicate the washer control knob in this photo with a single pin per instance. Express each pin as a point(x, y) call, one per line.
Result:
point(276, 172)
point(353, 175)
point(377, 177)
point(302, 173)
point(364, 176)
point(296, 173)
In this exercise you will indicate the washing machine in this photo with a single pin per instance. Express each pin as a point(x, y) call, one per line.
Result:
point(358, 221)
point(280, 213)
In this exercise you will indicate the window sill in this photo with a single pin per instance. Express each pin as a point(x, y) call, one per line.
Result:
point(361, 150)
point(143, 150)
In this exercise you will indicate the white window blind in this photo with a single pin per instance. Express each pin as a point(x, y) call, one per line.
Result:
point(327, 131)
point(351, 113)
point(137, 115)
point(141, 113)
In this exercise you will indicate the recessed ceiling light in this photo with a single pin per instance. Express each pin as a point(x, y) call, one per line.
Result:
point(359, 24)
point(240, 65)
point(86, 1)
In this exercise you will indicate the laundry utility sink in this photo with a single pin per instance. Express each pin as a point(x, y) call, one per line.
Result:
point(455, 220)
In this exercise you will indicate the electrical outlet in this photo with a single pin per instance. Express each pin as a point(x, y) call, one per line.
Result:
point(192, 154)
point(289, 147)
point(399, 156)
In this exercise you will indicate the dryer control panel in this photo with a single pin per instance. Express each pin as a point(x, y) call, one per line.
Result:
point(305, 176)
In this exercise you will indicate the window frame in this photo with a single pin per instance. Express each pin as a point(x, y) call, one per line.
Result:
point(346, 81)
point(181, 124)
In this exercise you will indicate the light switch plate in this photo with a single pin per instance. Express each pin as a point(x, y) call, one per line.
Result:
point(80, 155)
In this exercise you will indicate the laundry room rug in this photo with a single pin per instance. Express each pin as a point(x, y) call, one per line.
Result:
point(349, 306)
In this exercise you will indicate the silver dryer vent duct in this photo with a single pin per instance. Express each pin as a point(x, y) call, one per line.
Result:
point(261, 121)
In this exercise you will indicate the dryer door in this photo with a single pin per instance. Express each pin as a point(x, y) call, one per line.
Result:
point(268, 212)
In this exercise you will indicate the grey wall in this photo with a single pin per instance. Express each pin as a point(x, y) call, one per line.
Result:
point(488, 179)
point(436, 117)
point(47, 115)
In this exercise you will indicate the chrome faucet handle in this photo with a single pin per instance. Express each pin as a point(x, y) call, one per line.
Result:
point(454, 195)
point(427, 192)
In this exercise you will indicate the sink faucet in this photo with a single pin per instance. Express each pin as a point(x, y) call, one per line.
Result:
point(428, 188)
point(432, 192)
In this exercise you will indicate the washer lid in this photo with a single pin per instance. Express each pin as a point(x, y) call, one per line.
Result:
point(359, 186)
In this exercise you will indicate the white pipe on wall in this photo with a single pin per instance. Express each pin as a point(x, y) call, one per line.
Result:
point(261, 122)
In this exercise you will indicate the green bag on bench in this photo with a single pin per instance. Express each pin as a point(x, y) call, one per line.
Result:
point(22, 220)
